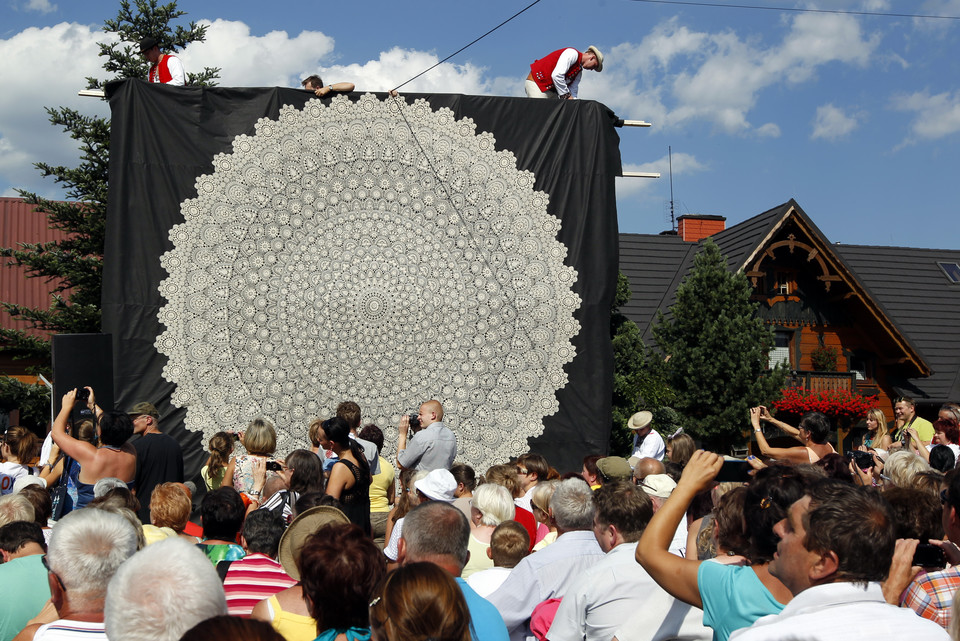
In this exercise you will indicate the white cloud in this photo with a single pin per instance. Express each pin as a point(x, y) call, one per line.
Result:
point(680, 76)
point(683, 164)
point(935, 116)
point(271, 60)
point(397, 65)
point(832, 123)
point(768, 130)
point(43, 6)
point(67, 53)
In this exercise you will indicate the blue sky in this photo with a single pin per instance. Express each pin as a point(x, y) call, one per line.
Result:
point(857, 117)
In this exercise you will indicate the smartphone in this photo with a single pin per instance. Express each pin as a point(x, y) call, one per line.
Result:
point(734, 472)
point(929, 556)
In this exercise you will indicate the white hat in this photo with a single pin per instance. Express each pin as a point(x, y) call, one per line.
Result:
point(24, 481)
point(640, 420)
point(658, 485)
point(438, 485)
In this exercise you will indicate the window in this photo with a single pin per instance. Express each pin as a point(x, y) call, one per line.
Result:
point(951, 270)
point(781, 349)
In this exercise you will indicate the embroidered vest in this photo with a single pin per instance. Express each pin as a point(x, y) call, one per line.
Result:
point(542, 69)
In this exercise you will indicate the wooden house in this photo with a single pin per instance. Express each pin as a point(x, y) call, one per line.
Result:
point(889, 315)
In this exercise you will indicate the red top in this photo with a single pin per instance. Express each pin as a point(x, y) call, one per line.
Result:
point(542, 69)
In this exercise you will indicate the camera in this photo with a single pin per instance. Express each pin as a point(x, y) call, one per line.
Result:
point(863, 460)
point(274, 466)
point(83, 395)
point(929, 556)
point(414, 421)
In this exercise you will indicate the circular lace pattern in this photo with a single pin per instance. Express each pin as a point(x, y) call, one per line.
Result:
point(347, 251)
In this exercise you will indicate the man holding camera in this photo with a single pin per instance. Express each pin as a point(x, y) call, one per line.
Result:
point(159, 457)
point(829, 557)
point(433, 446)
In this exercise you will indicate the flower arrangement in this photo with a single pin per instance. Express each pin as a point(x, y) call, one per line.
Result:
point(836, 403)
point(824, 358)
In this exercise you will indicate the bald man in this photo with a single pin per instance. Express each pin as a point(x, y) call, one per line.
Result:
point(432, 447)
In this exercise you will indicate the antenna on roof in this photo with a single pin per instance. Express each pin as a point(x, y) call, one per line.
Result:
point(673, 220)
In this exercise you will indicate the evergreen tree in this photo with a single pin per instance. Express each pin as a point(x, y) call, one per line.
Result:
point(75, 264)
point(638, 378)
point(716, 349)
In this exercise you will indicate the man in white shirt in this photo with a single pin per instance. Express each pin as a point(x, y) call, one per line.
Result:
point(617, 588)
point(835, 546)
point(165, 68)
point(557, 74)
point(557, 568)
point(646, 441)
point(531, 469)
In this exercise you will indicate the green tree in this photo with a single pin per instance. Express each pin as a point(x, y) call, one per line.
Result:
point(638, 376)
point(75, 264)
point(716, 351)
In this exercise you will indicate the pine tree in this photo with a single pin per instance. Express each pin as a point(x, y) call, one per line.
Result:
point(716, 349)
point(638, 377)
point(75, 264)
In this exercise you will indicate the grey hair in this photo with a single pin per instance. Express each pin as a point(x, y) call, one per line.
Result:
point(14, 507)
point(903, 466)
point(163, 591)
point(436, 529)
point(131, 518)
point(495, 504)
point(86, 548)
point(572, 505)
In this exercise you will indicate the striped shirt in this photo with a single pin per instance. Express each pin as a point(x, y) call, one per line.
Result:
point(68, 630)
point(251, 580)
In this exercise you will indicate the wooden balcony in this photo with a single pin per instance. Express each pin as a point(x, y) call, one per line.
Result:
point(823, 381)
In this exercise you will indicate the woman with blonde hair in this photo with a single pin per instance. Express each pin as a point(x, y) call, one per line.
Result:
point(680, 447)
point(490, 506)
point(260, 441)
point(877, 436)
point(419, 601)
point(540, 502)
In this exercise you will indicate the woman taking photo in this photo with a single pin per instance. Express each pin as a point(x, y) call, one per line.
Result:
point(813, 431)
point(260, 441)
point(113, 458)
point(731, 596)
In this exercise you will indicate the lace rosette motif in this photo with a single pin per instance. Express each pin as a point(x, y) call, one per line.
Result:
point(336, 254)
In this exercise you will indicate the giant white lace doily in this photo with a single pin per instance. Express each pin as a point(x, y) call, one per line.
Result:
point(323, 260)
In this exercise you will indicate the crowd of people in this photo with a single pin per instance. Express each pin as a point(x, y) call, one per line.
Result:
point(339, 543)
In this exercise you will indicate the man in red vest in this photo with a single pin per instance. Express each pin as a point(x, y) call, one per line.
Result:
point(165, 68)
point(557, 75)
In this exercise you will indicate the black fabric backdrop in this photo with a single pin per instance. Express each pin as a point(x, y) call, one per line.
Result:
point(163, 138)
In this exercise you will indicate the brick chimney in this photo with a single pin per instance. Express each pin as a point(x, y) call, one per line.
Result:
point(694, 227)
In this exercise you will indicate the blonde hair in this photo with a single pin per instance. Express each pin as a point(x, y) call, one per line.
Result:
point(878, 415)
point(260, 437)
point(902, 468)
point(494, 504)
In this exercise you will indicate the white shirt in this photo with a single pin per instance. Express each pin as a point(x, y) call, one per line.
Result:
point(547, 574)
point(650, 447)
point(392, 549)
point(486, 582)
point(566, 60)
point(526, 501)
point(842, 612)
point(617, 592)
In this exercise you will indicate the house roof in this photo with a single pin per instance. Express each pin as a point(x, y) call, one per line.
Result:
point(19, 223)
point(924, 304)
point(655, 266)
